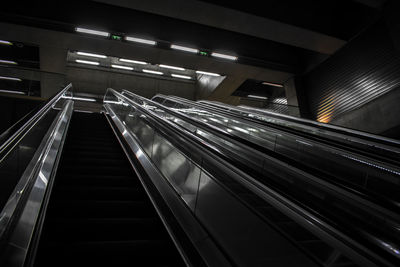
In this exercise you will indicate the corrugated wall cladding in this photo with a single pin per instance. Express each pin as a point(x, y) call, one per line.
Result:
point(366, 68)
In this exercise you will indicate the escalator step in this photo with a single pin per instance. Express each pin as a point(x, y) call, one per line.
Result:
point(121, 253)
point(102, 209)
point(99, 214)
point(116, 229)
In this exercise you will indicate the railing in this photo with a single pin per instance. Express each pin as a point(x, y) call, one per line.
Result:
point(336, 165)
point(382, 148)
point(190, 164)
point(29, 158)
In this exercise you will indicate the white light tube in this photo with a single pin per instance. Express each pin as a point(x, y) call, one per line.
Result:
point(140, 40)
point(258, 97)
point(273, 84)
point(184, 48)
point(94, 32)
point(170, 67)
point(224, 56)
point(3, 42)
point(10, 78)
point(207, 73)
point(153, 72)
point(121, 67)
point(12, 92)
point(91, 54)
point(133, 61)
point(8, 62)
point(87, 62)
point(181, 76)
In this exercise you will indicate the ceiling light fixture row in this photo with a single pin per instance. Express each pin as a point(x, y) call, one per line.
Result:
point(153, 43)
point(116, 66)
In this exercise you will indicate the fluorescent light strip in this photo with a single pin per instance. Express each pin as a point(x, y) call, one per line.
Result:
point(153, 72)
point(181, 76)
point(80, 98)
point(12, 92)
point(224, 56)
point(132, 61)
point(121, 67)
point(10, 78)
point(3, 42)
point(91, 54)
point(87, 62)
point(273, 84)
point(140, 40)
point(8, 62)
point(207, 73)
point(170, 67)
point(94, 32)
point(184, 48)
point(257, 97)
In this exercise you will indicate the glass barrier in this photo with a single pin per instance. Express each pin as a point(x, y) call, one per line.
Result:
point(380, 147)
point(183, 168)
point(334, 165)
point(18, 150)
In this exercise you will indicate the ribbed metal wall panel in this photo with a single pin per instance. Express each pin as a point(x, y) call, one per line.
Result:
point(366, 68)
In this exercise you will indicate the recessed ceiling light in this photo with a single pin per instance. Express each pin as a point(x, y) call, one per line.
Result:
point(80, 98)
point(94, 32)
point(10, 78)
point(171, 67)
point(207, 73)
point(224, 56)
point(140, 40)
point(2, 61)
point(12, 92)
point(181, 76)
point(153, 72)
point(91, 54)
point(273, 84)
point(3, 42)
point(121, 67)
point(87, 62)
point(184, 48)
point(133, 61)
point(257, 97)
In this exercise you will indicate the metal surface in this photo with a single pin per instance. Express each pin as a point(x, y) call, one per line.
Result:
point(199, 237)
point(255, 241)
point(321, 226)
point(33, 185)
point(312, 181)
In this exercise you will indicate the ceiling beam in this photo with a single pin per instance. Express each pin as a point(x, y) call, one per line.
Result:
point(236, 21)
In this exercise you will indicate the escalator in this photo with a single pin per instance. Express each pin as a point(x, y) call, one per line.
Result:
point(99, 213)
point(136, 186)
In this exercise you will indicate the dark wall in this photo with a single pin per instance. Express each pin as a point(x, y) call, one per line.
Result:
point(13, 109)
point(362, 71)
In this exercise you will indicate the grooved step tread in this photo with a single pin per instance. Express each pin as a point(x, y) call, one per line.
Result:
point(99, 214)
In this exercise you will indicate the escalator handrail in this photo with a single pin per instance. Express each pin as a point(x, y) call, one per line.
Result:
point(323, 139)
point(387, 203)
point(316, 224)
point(334, 128)
point(18, 218)
point(18, 130)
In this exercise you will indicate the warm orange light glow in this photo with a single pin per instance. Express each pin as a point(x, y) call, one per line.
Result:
point(326, 109)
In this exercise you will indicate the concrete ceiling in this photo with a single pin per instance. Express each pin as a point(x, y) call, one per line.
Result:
point(272, 46)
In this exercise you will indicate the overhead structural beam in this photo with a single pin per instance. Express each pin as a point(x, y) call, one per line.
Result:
point(236, 21)
point(371, 3)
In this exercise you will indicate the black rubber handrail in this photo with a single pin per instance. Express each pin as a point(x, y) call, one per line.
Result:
point(15, 133)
